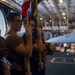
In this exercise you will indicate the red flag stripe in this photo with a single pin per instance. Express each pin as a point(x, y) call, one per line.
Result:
point(25, 7)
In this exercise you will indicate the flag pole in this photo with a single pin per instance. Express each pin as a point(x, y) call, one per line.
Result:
point(27, 18)
point(37, 13)
point(27, 59)
point(39, 34)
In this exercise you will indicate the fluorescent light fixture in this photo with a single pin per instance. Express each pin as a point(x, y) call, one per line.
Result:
point(50, 20)
point(64, 17)
point(63, 14)
point(3, 0)
point(61, 1)
point(41, 19)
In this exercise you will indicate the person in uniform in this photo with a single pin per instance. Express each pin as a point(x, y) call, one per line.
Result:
point(34, 59)
point(18, 50)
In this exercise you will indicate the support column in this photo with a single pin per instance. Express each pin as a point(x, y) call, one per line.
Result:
point(52, 24)
point(60, 24)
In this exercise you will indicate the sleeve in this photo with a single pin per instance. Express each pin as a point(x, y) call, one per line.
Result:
point(13, 41)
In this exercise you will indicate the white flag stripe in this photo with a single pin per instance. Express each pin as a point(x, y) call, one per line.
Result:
point(25, 1)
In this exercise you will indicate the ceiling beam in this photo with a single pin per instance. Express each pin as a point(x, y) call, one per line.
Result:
point(52, 4)
point(47, 10)
point(41, 15)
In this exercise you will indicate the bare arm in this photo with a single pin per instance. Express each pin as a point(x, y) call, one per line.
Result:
point(26, 49)
point(21, 49)
point(28, 39)
point(18, 45)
